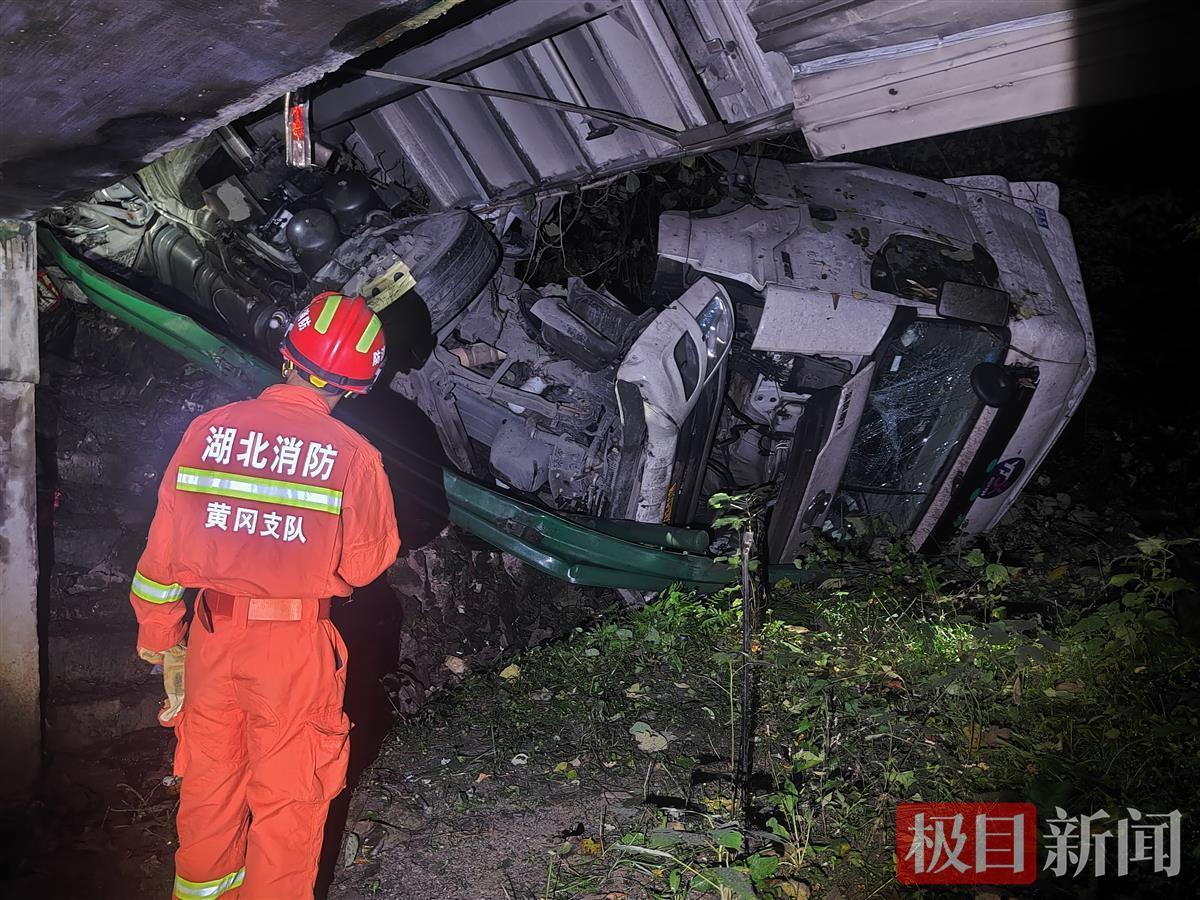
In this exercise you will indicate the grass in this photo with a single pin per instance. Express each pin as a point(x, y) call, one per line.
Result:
point(901, 679)
point(908, 680)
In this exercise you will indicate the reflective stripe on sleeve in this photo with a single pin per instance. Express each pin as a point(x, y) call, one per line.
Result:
point(248, 487)
point(152, 592)
point(205, 890)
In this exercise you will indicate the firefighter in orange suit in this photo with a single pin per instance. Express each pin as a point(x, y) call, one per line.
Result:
point(271, 507)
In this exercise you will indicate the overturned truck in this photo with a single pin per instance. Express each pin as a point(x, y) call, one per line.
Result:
point(864, 346)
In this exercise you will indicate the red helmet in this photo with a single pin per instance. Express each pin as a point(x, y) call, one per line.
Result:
point(337, 342)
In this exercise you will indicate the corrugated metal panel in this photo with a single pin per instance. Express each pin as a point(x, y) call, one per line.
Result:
point(690, 76)
point(807, 30)
point(470, 150)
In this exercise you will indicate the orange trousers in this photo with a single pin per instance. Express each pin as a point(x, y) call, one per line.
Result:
point(263, 748)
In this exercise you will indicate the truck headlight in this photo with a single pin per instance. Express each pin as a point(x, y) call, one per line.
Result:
point(716, 327)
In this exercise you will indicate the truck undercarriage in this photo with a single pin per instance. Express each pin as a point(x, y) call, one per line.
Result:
point(799, 340)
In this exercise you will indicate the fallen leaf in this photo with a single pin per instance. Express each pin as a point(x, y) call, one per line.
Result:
point(1016, 690)
point(1070, 687)
point(633, 691)
point(651, 742)
point(483, 776)
point(974, 735)
point(510, 672)
point(795, 890)
point(648, 740)
point(543, 695)
point(455, 664)
point(1057, 573)
point(350, 849)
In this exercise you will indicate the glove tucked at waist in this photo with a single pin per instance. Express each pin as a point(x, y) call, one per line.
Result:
point(172, 660)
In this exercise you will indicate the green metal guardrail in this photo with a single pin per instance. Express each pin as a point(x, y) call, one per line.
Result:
point(580, 550)
point(574, 552)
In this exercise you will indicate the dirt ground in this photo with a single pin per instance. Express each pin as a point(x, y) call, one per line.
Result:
point(513, 789)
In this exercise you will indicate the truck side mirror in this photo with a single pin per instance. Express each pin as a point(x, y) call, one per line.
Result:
point(972, 303)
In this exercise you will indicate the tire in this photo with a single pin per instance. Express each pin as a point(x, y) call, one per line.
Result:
point(461, 258)
point(452, 256)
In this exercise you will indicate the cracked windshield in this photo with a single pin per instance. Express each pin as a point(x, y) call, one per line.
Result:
point(920, 410)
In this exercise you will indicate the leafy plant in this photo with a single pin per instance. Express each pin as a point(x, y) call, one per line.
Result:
point(606, 234)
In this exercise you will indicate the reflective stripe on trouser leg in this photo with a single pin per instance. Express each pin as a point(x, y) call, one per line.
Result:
point(298, 751)
point(204, 890)
point(211, 757)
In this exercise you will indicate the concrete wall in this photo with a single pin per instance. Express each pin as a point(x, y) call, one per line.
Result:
point(20, 716)
point(102, 87)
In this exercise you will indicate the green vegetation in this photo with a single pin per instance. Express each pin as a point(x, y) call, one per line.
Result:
point(902, 678)
point(607, 234)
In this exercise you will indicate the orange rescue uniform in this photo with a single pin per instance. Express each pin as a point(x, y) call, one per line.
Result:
point(270, 506)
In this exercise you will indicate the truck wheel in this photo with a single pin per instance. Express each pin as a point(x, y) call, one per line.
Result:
point(455, 257)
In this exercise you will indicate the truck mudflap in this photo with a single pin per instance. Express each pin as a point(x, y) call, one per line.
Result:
point(591, 552)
